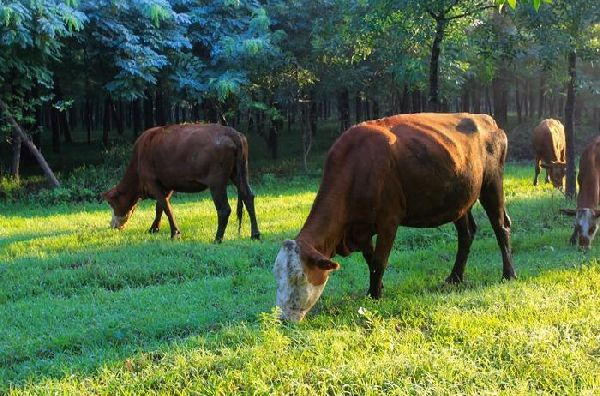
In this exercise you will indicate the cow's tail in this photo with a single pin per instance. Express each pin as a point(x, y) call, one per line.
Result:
point(243, 186)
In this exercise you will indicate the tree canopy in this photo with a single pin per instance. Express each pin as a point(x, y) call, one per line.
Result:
point(128, 65)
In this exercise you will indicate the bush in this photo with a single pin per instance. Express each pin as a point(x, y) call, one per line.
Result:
point(84, 184)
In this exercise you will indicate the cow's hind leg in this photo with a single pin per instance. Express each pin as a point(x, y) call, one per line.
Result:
point(465, 228)
point(249, 202)
point(219, 196)
point(155, 227)
point(378, 260)
point(492, 200)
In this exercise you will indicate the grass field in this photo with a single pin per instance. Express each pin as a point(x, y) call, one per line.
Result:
point(89, 310)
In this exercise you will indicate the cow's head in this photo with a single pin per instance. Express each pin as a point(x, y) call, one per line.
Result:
point(585, 226)
point(122, 205)
point(301, 274)
point(556, 171)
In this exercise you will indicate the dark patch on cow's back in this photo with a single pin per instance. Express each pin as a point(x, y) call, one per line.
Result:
point(419, 149)
point(467, 125)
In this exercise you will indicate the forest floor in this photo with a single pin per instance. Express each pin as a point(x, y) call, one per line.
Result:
point(89, 310)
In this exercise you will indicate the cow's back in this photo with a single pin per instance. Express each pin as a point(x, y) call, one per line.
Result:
point(549, 140)
point(186, 157)
point(427, 169)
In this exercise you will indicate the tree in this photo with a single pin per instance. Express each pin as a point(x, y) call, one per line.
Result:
point(31, 34)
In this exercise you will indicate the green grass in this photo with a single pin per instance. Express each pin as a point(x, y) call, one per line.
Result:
point(85, 309)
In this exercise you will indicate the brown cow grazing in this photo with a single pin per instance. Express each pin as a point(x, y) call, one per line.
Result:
point(187, 158)
point(549, 146)
point(414, 170)
point(586, 214)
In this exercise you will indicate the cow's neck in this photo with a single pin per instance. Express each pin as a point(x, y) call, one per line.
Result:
point(324, 226)
point(130, 183)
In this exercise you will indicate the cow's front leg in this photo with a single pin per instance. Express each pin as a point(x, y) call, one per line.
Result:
point(219, 196)
point(163, 204)
point(379, 259)
point(155, 227)
point(538, 169)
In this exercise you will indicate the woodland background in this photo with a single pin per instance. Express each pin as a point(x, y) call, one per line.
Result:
point(84, 76)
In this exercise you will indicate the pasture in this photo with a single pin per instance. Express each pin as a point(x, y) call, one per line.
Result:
point(89, 310)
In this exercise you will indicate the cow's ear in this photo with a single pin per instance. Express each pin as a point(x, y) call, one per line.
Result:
point(327, 265)
point(110, 194)
point(568, 212)
point(559, 164)
point(290, 245)
point(312, 257)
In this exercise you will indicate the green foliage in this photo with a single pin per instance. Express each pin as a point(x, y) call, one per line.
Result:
point(86, 309)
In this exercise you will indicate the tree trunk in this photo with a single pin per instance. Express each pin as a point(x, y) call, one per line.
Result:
point(476, 97)
point(541, 96)
point(518, 102)
point(344, 109)
point(500, 99)
point(136, 114)
point(306, 135)
point(466, 98)
point(38, 156)
point(16, 158)
point(106, 120)
point(117, 116)
point(313, 114)
point(62, 114)
point(569, 126)
point(55, 122)
point(375, 109)
point(160, 107)
point(88, 118)
point(358, 108)
point(148, 110)
point(404, 106)
point(416, 101)
point(434, 65)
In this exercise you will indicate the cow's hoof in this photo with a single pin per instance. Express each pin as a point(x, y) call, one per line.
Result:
point(453, 279)
point(509, 276)
point(154, 230)
point(218, 241)
point(255, 237)
point(176, 235)
point(375, 294)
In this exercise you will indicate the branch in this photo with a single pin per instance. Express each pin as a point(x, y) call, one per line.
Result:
point(468, 13)
point(450, 7)
point(36, 153)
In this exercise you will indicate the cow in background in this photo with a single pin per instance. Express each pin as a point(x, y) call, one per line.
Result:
point(549, 146)
point(413, 170)
point(586, 214)
point(186, 158)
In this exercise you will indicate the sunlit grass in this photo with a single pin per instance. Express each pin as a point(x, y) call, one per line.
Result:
point(85, 309)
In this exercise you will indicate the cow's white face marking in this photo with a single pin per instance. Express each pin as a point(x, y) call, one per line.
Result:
point(295, 294)
point(120, 221)
point(585, 224)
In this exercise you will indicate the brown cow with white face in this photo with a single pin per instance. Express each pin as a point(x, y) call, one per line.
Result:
point(586, 214)
point(414, 170)
point(186, 158)
point(549, 146)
